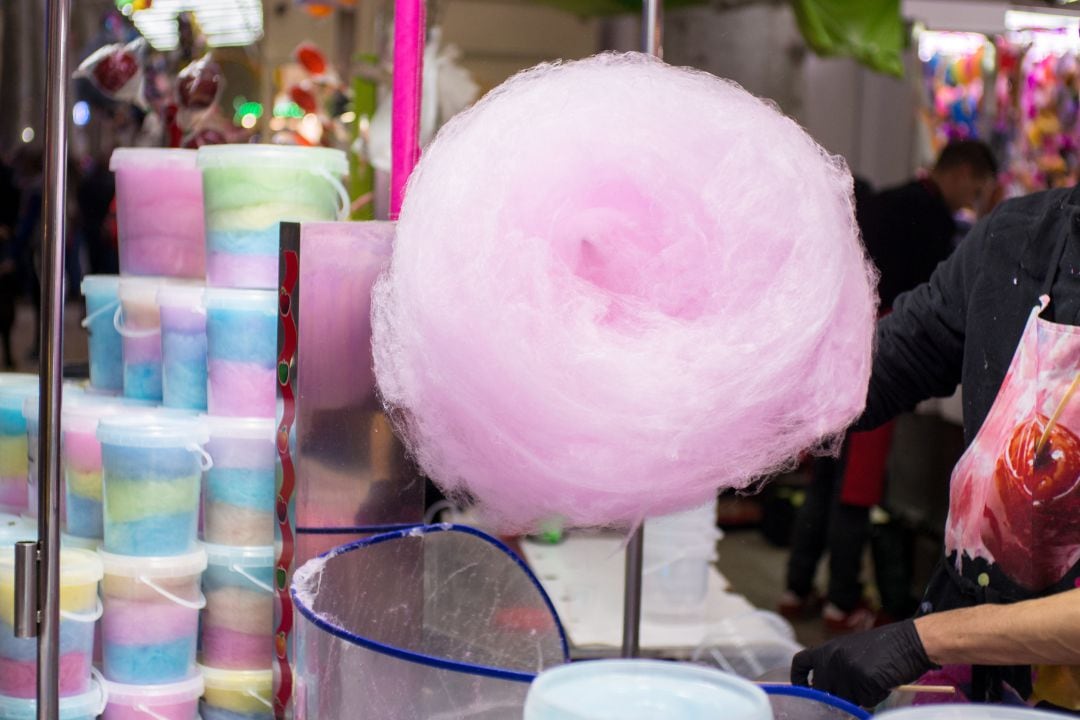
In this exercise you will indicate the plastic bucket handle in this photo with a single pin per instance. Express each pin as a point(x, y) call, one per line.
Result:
point(342, 192)
point(101, 311)
point(251, 578)
point(145, 709)
point(259, 697)
point(118, 323)
point(88, 617)
point(103, 690)
point(189, 604)
point(205, 461)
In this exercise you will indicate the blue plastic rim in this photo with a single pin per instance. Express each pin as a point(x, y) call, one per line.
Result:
point(420, 658)
point(820, 696)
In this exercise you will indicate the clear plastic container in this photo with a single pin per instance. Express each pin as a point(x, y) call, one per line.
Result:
point(241, 333)
point(435, 621)
point(86, 706)
point(790, 702)
point(159, 212)
point(678, 551)
point(237, 694)
point(152, 470)
point(106, 361)
point(970, 712)
point(31, 410)
point(151, 624)
point(249, 190)
point(238, 625)
point(643, 690)
point(138, 321)
point(183, 346)
point(80, 459)
point(14, 464)
point(240, 490)
point(80, 571)
point(174, 701)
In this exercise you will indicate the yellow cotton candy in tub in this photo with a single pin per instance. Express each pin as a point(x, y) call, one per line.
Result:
point(84, 484)
point(80, 571)
point(239, 691)
point(13, 462)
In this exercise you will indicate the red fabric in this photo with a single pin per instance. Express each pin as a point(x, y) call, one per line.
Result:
point(863, 483)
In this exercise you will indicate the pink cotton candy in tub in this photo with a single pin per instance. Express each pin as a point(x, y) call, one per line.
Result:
point(617, 287)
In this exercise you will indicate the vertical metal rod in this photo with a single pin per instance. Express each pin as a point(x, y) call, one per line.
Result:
point(54, 213)
point(652, 21)
point(26, 604)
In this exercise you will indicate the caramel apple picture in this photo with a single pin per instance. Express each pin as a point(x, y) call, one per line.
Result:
point(1031, 526)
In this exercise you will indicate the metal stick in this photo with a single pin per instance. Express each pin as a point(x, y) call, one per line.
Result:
point(652, 21)
point(54, 213)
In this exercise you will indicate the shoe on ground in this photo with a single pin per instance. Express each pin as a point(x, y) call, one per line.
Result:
point(838, 622)
point(795, 607)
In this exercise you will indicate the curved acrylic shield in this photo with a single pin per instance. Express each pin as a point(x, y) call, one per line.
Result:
point(791, 702)
point(437, 621)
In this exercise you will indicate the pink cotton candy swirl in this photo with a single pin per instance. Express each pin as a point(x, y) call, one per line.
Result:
point(616, 287)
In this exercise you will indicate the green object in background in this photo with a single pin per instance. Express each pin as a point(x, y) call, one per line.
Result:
point(361, 174)
point(871, 32)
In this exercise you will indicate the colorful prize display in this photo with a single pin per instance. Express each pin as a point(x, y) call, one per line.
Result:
point(80, 571)
point(151, 623)
point(610, 316)
point(159, 207)
point(249, 190)
point(239, 494)
point(237, 629)
point(183, 346)
point(104, 342)
point(152, 467)
point(241, 333)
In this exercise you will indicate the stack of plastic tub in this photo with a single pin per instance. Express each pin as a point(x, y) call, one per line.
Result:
point(152, 466)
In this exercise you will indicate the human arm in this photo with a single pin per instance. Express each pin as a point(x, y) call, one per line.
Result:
point(864, 667)
point(1045, 631)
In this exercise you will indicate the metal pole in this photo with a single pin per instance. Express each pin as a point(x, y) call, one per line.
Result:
point(54, 212)
point(652, 21)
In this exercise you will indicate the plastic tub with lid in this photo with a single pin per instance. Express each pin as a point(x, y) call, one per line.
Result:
point(237, 694)
point(172, 701)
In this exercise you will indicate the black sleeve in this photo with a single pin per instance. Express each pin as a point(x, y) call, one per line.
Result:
point(919, 349)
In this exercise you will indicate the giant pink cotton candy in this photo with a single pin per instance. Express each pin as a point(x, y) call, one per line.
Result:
point(616, 287)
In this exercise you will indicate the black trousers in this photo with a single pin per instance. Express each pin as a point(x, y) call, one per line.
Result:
point(824, 524)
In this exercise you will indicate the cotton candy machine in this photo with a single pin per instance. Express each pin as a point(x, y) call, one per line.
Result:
point(436, 621)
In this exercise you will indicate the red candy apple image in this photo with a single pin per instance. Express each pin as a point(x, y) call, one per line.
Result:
point(1033, 513)
point(116, 69)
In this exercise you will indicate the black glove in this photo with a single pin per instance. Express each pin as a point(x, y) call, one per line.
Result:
point(864, 667)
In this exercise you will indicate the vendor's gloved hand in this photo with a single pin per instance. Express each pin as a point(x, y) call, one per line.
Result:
point(864, 667)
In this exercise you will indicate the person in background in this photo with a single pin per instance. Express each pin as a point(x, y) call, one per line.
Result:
point(95, 194)
point(908, 230)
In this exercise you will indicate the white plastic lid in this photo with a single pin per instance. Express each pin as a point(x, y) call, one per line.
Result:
point(181, 294)
point(152, 428)
point(241, 428)
point(265, 301)
point(94, 284)
point(31, 408)
point(14, 394)
point(238, 680)
point(82, 412)
point(284, 156)
point(153, 157)
point(77, 566)
point(140, 289)
point(192, 563)
point(75, 707)
point(250, 556)
point(189, 689)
